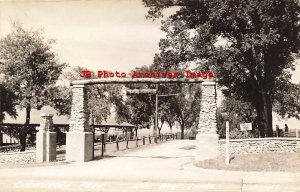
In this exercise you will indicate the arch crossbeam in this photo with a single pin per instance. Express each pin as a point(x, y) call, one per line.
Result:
point(137, 80)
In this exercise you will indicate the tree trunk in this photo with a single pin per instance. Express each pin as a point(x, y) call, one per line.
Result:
point(267, 114)
point(182, 130)
point(24, 130)
point(259, 112)
point(1, 117)
point(264, 113)
point(159, 128)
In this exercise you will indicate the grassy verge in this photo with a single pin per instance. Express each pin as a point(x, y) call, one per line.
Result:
point(282, 162)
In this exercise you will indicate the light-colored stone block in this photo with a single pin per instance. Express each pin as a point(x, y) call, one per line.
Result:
point(50, 146)
point(79, 146)
point(40, 146)
point(45, 146)
point(206, 146)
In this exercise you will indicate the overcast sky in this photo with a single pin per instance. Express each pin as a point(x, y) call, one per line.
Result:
point(106, 34)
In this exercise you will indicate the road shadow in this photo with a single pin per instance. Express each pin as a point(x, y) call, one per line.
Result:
point(188, 147)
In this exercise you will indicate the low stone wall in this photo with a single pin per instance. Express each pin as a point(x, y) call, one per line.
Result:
point(260, 145)
point(15, 148)
point(17, 157)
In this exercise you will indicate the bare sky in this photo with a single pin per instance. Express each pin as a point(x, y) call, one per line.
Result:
point(97, 34)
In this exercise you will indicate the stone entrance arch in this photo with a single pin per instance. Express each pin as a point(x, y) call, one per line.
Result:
point(79, 144)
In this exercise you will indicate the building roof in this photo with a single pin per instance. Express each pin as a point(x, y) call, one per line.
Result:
point(35, 116)
point(63, 119)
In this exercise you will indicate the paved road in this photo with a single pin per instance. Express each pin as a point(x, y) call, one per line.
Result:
point(165, 167)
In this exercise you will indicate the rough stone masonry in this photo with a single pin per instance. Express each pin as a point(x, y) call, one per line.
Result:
point(79, 143)
point(79, 115)
point(207, 137)
point(79, 146)
point(208, 118)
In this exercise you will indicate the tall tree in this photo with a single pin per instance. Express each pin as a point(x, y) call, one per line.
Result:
point(30, 68)
point(99, 102)
point(137, 109)
point(184, 107)
point(249, 44)
point(7, 104)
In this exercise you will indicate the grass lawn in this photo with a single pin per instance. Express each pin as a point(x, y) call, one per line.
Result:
point(282, 162)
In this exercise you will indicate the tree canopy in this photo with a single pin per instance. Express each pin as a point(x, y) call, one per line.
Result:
point(250, 45)
point(30, 68)
point(99, 96)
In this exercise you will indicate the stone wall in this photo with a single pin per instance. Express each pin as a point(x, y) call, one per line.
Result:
point(207, 119)
point(18, 157)
point(260, 145)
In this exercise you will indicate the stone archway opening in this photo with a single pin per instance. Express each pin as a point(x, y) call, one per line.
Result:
point(79, 141)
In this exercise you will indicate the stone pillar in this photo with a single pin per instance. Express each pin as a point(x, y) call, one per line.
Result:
point(207, 137)
point(79, 144)
point(46, 140)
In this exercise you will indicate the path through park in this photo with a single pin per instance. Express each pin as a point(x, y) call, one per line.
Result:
point(163, 167)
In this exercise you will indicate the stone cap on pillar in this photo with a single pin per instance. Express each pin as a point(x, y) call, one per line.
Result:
point(46, 115)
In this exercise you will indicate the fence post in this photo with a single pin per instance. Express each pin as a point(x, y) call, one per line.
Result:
point(126, 143)
point(102, 144)
point(227, 158)
point(150, 139)
point(105, 136)
point(117, 142)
